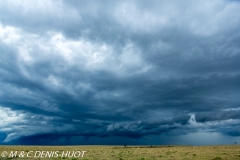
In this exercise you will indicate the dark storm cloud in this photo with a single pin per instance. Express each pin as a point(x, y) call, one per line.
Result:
point(126, 68)
point(220, 115)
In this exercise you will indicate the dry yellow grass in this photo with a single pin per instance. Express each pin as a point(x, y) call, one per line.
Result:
point(133, 152)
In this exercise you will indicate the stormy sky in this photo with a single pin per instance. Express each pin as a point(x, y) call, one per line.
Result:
point(119, 72)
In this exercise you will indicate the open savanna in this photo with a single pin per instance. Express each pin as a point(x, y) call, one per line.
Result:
point(134, 152)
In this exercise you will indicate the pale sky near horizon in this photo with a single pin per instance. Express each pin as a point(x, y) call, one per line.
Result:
point(119, 72)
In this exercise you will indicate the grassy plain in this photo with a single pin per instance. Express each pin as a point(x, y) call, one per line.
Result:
point(128, 152)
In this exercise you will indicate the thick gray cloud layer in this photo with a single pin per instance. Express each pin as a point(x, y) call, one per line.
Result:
point(129, 69)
